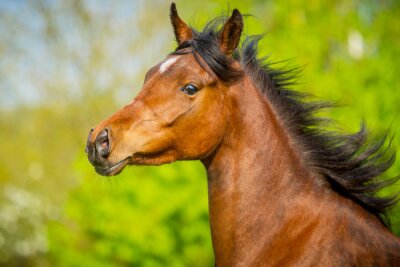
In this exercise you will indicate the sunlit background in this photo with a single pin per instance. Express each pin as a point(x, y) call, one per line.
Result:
point(66, 65)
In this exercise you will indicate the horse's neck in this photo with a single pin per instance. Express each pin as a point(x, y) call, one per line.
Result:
point(253, 176)
point(263, 200)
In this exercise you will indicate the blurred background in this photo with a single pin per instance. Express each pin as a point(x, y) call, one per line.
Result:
point(67, 64)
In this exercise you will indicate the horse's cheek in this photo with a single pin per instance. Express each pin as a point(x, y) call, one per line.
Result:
point(210, 131)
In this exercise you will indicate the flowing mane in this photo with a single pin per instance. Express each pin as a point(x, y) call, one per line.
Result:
point(352, 164)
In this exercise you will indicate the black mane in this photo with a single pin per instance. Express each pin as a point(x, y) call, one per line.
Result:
point(351, 163)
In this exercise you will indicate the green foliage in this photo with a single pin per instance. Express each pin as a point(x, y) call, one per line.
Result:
point(54, 209)
point(148, 216)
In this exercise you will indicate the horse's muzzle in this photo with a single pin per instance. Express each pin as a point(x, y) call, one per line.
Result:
point(98, 150)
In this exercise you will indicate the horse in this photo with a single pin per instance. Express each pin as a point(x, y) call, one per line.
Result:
point(282, 189)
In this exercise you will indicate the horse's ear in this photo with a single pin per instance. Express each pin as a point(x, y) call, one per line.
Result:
point(182, 31)
point(231, 32)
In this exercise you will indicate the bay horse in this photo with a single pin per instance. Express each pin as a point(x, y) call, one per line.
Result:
point(282, 190)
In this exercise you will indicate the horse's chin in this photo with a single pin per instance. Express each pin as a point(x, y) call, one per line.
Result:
point(153, 158)
point(114, 169)
point(138, 158)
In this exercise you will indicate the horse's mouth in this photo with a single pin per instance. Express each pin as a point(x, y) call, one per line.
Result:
point(113, 170)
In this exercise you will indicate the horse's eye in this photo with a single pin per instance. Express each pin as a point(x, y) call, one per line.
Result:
point(189, 89)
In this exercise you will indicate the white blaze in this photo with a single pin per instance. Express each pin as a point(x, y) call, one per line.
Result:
point(164, 66)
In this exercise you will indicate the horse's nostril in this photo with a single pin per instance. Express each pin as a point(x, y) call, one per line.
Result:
point(102, 143)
